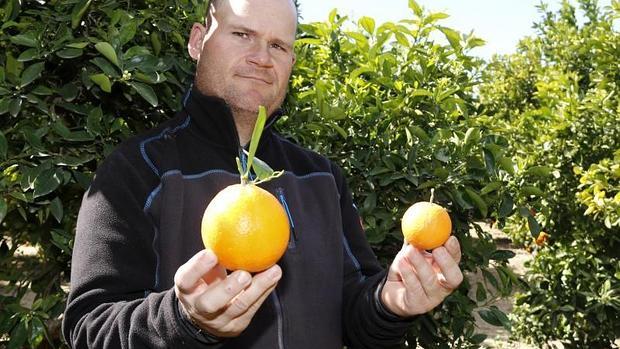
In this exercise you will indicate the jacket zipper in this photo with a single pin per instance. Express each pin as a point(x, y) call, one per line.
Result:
point(292, 241)
point(280, 315)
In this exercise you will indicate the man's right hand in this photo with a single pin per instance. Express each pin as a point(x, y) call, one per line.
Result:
point(223, 305)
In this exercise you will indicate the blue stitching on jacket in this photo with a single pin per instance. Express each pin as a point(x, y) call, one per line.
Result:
point(356, 263)
point(164, 132)
point(156, 190)
point(157, 258)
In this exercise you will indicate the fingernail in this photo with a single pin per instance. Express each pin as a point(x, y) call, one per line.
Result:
point(275, 273)
point(243, 278)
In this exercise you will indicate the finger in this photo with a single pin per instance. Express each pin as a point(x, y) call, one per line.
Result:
point(449, 268)
point(255, 294)
point(454, 248)
point(409, 276)
point(216, 298)
point(189, 274)
point(424, 270)
point(394, 271)
point(216, 274)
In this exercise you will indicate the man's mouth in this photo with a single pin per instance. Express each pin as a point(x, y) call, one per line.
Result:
point(257, 78)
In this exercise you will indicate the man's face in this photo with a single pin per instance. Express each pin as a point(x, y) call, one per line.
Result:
point(246, 56)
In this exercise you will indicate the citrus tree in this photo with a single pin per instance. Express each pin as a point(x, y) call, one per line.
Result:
point(557, 102)
point(397, 109)
point(394, 108)
point(76, 77)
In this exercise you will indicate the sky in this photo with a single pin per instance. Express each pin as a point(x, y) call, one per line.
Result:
point(501, 23)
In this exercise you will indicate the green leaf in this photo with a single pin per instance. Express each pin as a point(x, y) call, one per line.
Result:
point(29, 40)
point(32, 73)
point(417, 10)
point(108, 52)
point(506, 164)
point(4, 145)
point(146, 92)
point(102, 81)
point(506, 206)
point(533, 225)
point(155, 43)
point(15, 106)
point(56, 209)
point(28, 55)
point(4, 105)
point(529, 190)
point(478, 201)
point(73, 161)
point(80, 44)
point(78, 12)
point(472, 135)
point(93, 121)
point(42, 91)
point(368, 24)
point(19, 335)
point(105, 66)
point(502, 255)
point(37, 332)
point(420, 133)
point(69, 53)
point(46, 182)
point(491, 187)
point(478, 338)
point(262, 170)
point(454, 38)
point(481, 293)
point(490, 317)
point(3, 209)
point(501, 316)
point(69, 92)
point(128, 31)
point(540, 171)
point(256, 133)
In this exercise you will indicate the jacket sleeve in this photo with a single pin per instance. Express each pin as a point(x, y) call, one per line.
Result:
point(366, 323)
point(113, 268)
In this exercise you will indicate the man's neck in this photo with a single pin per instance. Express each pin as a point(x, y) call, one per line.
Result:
point(244, 122)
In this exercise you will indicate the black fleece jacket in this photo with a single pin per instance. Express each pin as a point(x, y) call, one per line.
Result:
point(140, 220)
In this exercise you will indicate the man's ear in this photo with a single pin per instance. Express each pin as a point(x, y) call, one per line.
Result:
point(196, 37)
point(294, 58)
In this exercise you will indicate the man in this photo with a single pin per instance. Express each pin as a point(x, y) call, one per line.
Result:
point(140, 278)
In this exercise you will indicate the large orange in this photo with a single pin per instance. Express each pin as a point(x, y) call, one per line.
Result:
point(246, 227)
point(426, 225)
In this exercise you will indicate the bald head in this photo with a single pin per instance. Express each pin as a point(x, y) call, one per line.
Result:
point(213, 4)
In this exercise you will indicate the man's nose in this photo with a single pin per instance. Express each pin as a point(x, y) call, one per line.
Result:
point(260, 55)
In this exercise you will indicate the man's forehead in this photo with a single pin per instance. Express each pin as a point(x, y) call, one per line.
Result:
point(255, 14)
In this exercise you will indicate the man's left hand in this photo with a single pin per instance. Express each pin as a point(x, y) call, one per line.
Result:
point(419, 281)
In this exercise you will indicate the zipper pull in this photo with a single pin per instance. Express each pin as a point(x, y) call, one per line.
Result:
point(292, 242)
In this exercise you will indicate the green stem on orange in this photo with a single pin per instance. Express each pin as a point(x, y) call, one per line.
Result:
point(258, 131)
point(262, 170)
point(432, 195)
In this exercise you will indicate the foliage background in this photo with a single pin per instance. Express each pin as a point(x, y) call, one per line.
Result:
point(557, 101)
point(400, 112)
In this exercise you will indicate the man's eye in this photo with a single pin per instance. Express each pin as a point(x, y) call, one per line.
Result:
point(241, 34)
point(278, 47)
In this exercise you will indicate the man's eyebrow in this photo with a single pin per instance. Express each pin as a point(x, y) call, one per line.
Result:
point(281, 42)
point(243, 29)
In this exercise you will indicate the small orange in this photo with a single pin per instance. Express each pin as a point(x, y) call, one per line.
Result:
point(426, 225)
point(542, 238)
point(246, 227)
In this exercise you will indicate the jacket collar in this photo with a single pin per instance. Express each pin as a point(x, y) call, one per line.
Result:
point(213, 120)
